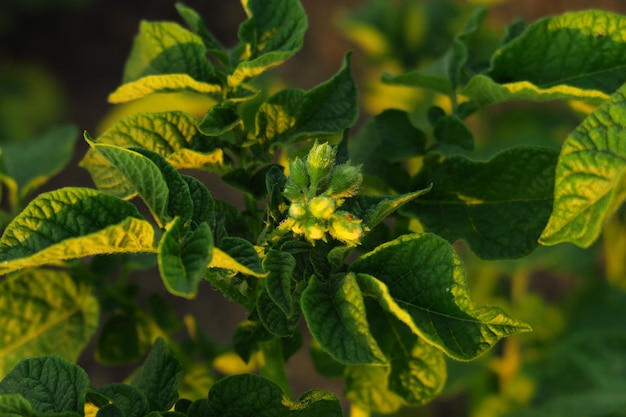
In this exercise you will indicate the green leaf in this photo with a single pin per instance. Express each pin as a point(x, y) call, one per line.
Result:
point(40, 310)
point(251, 395)
point(384, 143)
point(247, 337)
point(237, 254)
point(49, 383)
point(195, 23)
point(14, 405)
point(203, 203)
point(420, 280)
point(274, 319)
point(172, 57)
point(292, 115)
point(487, 92)
point(335, 315)
point(219, 120)
point(159, 377)
point(579, 49)
point(133, 173)
point(184, 258)
point(281, 266)
point(119, 341)
point(72, 223)
point(420, 79)
point(172, 134)
point(168, 83)
point(417, 370)
point(273, 32)
point(589, 184)
point(451, 131)
point(456, 57)
point(128, 398)
point(373, 209)
point(500, 207)
point(366, 386)
point(179, 197)
point(28, 165)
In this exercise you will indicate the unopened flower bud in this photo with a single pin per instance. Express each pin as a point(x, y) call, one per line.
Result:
point(320, 162)
point(322, 207)
point(298, 173)
point(345, 181)
point(297, 210)
point(345, 227)
point(313, 231)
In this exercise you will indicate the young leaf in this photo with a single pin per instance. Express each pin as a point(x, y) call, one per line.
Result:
point(164, 51)
point(159, 377)
point(40, 310)
point(127, 398)
point(579, 49)
point(589, 184)
point(420, 280)
point(500, 207)
point(183, 258)
point(291, 115)
point(237, 254)
point(281, 266)
point(335, 314)
point(72, 223)
point(251, 395)
point(49, 383)
point(273, 32)
point(28, 165)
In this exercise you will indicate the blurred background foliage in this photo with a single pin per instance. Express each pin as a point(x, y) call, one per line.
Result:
point(60, 59)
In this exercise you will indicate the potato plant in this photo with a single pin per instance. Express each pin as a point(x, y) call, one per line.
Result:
point(346, 232)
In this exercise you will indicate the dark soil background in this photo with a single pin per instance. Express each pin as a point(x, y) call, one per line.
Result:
point(84, 47)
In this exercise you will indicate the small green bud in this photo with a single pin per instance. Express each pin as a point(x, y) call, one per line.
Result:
point(320, 161)
point(297, 210)
point(345, 181)
point(345, 227)
point(322, 207)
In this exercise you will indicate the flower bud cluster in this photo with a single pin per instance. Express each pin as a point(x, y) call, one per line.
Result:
point(316, 188)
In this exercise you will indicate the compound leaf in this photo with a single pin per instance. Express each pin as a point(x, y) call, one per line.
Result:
point(40, 310)
point(420, 280)
point(72, 223)
point(590, 181)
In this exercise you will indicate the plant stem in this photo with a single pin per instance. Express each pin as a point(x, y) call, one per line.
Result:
point(273, 365)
